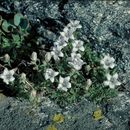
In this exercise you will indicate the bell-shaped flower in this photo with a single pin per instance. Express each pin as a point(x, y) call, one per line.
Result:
point(64, 83)
point(50, 74)
point(112, 81)
point(78, 45)
point(108, 62)
point(56, 53)
point(67, 34)
point(60, 43)
point(74, 24)
point(7, 75)
point(76, 61)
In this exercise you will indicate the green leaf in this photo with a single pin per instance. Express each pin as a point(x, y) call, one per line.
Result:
point(16, 37)
point(5, 43)
point(17, 18)
point(5, 26)
point(17, 40)
point(24, 23)
point(1, 19)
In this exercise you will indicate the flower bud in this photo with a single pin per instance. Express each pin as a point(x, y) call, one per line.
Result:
point(34, 57)
point(89, 83)
point(42, 46)
point(33, 93)
point(48, 57)
point(23, 77)
point(6, 58)
point(88, 68)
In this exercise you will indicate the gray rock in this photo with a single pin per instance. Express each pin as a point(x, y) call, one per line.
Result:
point(106, 25)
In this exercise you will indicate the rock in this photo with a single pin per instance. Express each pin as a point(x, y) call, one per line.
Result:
point(106, 25)
point(2, 97)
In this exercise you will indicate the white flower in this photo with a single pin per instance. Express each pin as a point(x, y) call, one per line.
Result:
point(78, 45)
point(108, 62)
point(56, 53)
point(112, 81)
point(48, 56)
point(67, 34)
point(7, 75)
point(76, 61)
point(64, 83)
point(50, 74)
point(74, 24)
point(75, 55)
point(34, 57)
point(60, 43)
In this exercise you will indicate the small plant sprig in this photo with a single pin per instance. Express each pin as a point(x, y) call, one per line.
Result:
point(67, 73)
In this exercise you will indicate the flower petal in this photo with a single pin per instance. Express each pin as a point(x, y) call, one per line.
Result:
point(77, 67)
point(112, 59)
point(106, 83)
point(112, 65)
point(12, 79)
point(67, 78)
point(115, 76)
point(105, 66)
point(6, 81)
point(111, 85)
point(102, 61)
point(61, 54)
point(118, 83)
point(108, 76)
point(2, 76)
point(82, 48)
point(46, 76)
point(61, 80)
point(56, 73)
point(12, 72)
point(52, 79)
point(69, 85)
point(74, 49)
point(60, 87)
point(6, 71)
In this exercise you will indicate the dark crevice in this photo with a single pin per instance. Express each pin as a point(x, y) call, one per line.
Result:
point(7, 91)
point(6, 15)
point(62, 11)
point(61, 6)
point(51, 24)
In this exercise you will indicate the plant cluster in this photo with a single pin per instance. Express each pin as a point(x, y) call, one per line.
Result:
point(13, 31)
point(65, 72)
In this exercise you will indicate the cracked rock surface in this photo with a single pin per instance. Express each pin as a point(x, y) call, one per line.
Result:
point(107, 25)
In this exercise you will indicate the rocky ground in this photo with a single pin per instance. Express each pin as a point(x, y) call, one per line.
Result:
point(107, 25)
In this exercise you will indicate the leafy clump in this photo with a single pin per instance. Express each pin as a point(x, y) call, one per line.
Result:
point(14, 31)
point(66, 71)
